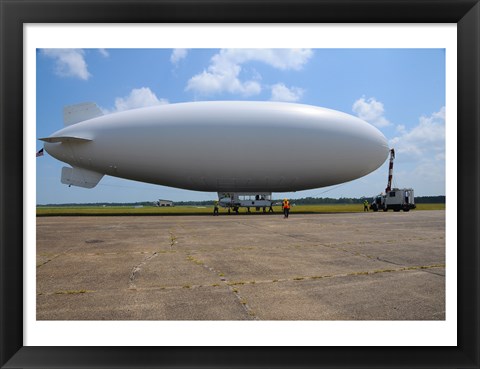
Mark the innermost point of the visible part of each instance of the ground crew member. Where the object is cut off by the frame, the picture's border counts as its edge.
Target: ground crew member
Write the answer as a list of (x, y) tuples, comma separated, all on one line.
[(215, 208), (286, 208), (365, 205)]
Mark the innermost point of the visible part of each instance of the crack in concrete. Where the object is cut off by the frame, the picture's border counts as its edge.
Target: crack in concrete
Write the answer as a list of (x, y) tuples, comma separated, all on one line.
[(296, 279), (137, 268), (250, 313), (173, 239), (66, 292), (54, 257), (360, 273), (234, 285), (387, 261), (338, 245)]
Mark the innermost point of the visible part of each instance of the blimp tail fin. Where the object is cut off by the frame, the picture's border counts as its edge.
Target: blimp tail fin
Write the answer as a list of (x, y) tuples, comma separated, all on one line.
[(78, 113), (80, 177)]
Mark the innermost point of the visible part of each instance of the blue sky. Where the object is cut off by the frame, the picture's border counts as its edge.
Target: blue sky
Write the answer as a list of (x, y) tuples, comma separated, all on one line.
[(400, 91)]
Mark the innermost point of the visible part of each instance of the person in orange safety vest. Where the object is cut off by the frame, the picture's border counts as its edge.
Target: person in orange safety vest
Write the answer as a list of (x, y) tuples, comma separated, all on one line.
[(286, 208)]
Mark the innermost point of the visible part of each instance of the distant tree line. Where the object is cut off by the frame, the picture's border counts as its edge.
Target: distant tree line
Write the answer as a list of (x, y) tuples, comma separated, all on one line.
[(302, 201), (194, 203), (327, 200), (430, 200), (99, 204), (350, 200)]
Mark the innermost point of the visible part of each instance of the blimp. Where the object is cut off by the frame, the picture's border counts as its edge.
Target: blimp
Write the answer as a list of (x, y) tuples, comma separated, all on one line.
[(243, 150)]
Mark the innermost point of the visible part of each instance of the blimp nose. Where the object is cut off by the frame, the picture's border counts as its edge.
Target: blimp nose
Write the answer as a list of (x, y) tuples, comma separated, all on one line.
[(378, 141), (381, 147), (371, 150), (383, 143)]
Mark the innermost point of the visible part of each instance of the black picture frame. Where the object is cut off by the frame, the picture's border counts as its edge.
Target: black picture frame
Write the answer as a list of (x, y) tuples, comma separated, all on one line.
[(15, 13)]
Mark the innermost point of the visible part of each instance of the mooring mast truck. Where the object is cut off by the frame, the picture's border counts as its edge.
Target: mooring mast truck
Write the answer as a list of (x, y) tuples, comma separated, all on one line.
[(395, 199)]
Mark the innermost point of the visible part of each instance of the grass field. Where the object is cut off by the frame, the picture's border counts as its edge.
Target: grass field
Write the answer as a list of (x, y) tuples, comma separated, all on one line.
[(192, 210)]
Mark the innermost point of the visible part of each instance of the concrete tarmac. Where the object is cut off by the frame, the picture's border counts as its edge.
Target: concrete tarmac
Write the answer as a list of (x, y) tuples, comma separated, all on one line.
[(355, 266)]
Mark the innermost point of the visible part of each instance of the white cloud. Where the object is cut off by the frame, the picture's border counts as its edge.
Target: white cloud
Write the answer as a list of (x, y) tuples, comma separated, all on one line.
[(421, 153), (104, 53), (427, 139), (280, 92), (177, 55), (431, 172), (371, 111), (223, 73), (401, 128), (222, 78), (138, 98), (69, 62), (282, 59)]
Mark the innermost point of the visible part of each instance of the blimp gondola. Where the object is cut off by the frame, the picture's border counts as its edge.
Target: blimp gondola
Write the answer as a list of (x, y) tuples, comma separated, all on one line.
[(243, 150)]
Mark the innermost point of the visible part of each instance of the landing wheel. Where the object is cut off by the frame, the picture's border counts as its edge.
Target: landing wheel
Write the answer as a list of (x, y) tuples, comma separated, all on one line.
[(385, 209)]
